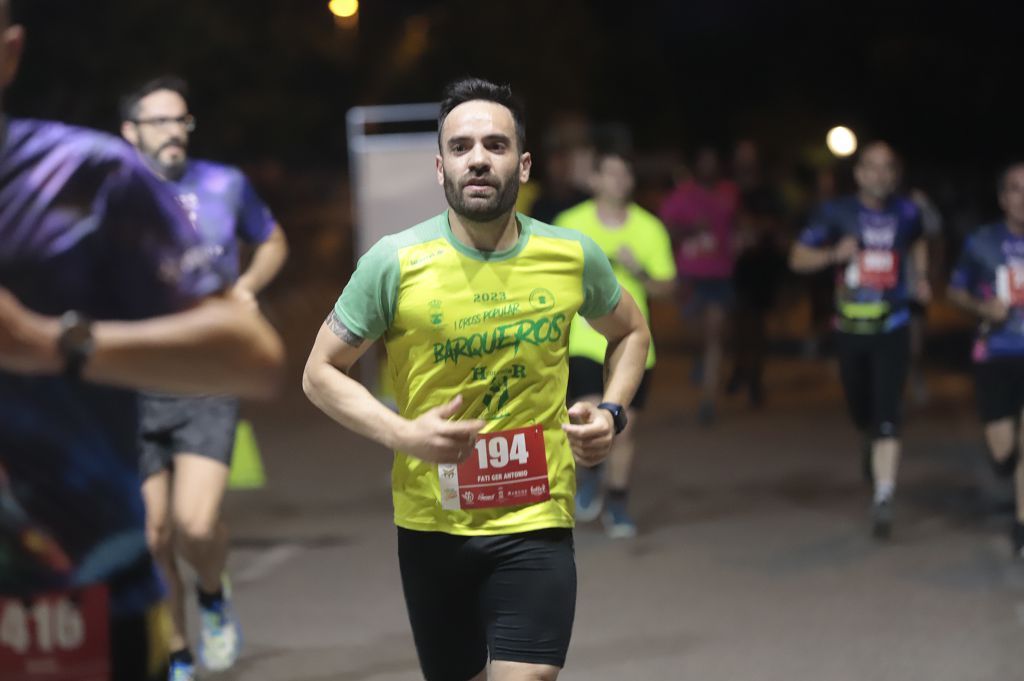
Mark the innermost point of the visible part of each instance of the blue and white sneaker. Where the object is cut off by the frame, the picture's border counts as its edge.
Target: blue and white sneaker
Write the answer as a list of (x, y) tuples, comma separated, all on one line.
[(589, 494), (617, 522), (181, 671), (220, 636)]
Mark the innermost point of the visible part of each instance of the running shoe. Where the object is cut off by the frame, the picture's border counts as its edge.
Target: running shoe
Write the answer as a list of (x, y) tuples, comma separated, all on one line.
[(617, 522), (181, 671), (735, 383), (756, 393), (589, 494), (881, 519), (220, 637), (706, 414), (697, 371)]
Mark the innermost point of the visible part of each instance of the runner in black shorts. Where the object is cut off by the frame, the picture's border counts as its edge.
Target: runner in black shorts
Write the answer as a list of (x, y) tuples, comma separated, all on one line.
[(640, 250), (474, 308), (186, 442), (171, 425), (989, 282), (496, 593), (870, 238)]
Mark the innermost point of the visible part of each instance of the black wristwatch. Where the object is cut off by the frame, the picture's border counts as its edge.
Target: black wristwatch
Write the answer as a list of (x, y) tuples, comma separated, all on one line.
[(618, 413), (75, 343)]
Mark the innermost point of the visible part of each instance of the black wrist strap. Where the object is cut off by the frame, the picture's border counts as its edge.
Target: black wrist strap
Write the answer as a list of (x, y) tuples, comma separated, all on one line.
[(75, 343), (618, 413)]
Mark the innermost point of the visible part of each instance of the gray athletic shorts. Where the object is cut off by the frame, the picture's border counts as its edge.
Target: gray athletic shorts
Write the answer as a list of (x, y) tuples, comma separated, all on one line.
[(185, 425)]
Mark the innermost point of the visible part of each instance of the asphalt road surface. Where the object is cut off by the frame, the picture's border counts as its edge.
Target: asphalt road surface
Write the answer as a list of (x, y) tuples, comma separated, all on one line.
[(754, 561)]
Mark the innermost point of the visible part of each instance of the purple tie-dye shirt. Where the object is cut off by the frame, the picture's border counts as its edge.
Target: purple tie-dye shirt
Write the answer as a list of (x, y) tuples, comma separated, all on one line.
[(84, 226), (223, 208)]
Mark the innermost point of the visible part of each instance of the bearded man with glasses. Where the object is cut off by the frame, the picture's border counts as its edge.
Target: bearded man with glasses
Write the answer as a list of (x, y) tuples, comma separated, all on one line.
[(186, 442)]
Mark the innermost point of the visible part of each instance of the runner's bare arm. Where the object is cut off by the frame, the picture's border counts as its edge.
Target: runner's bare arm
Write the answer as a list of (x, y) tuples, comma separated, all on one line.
[(267, 261), (431, 437), (628, 341), (993, 309), (659, 288), (805, 259), (592, 430), (921, 287), (217, 346)]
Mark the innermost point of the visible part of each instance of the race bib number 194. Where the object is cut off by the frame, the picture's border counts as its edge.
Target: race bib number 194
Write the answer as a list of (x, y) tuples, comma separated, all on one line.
[(56, 637), (507, 468)]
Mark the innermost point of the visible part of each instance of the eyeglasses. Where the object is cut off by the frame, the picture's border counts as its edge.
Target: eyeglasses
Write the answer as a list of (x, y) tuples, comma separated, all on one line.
[(187, 121)]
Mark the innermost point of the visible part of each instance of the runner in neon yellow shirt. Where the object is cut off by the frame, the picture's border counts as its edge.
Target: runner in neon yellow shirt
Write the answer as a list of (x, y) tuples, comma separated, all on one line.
[(474, 308), (640, 250)]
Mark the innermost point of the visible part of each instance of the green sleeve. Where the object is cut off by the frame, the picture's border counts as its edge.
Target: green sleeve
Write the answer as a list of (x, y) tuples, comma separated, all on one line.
[(658, 259), (367, 305), (601, 290)]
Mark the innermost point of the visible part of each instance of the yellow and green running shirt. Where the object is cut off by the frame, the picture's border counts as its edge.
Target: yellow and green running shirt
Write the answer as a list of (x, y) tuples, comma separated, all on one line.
[(647, 238), (492, 327)]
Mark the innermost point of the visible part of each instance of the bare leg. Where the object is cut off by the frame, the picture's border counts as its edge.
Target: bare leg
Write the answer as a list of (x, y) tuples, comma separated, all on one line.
[(156, 494), (885, 461), (620, 461), (1020, 491), (520, 671), (1020, 474), (1001, 438), (714, 321), (199, 486)]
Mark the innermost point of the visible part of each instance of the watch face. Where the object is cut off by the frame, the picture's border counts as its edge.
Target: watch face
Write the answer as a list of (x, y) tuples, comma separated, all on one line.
[(76, 336), (79, 334)]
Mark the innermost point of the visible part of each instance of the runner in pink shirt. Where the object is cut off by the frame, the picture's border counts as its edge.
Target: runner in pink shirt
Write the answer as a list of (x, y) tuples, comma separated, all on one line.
[(700, 215)]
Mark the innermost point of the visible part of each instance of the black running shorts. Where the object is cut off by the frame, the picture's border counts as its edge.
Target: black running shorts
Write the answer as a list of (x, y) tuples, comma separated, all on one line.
[(586, 377), (185, 425), (873, 369), (999, 388), (508, 597)]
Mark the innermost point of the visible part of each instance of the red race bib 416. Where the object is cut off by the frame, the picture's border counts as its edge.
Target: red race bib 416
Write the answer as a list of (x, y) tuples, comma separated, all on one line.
[(56, 637)]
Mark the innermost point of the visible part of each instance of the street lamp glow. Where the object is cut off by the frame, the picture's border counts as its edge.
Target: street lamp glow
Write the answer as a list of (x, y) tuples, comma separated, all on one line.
[(343, 8), (841, 141)]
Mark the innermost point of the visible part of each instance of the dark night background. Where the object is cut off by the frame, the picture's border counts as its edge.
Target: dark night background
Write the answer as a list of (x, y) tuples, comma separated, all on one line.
[(754, 560), (274, 77)]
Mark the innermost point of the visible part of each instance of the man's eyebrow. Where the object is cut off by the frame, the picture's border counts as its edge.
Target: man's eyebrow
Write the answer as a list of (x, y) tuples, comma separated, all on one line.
[(496, 136)]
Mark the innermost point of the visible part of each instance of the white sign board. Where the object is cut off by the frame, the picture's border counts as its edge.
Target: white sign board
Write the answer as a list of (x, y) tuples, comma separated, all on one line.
[(394, 184)]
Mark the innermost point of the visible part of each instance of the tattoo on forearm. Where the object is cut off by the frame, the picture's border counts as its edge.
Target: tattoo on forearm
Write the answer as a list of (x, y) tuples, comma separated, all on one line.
[(341, 331)]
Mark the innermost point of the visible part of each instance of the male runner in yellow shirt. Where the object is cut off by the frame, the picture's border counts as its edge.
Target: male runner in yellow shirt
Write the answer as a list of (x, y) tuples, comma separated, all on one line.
[(474, 307)]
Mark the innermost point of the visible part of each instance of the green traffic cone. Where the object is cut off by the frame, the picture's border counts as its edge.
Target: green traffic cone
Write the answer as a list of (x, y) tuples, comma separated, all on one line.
[(246, 465)]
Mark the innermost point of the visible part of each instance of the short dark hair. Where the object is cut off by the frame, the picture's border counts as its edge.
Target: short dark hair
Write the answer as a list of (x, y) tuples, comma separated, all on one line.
[(1004, 175), (877, 144), (468, 89), (129, 104), (601, 155)]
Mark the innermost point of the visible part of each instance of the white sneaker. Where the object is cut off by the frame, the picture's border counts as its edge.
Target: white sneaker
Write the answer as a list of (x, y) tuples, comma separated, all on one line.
[(220, 636)]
